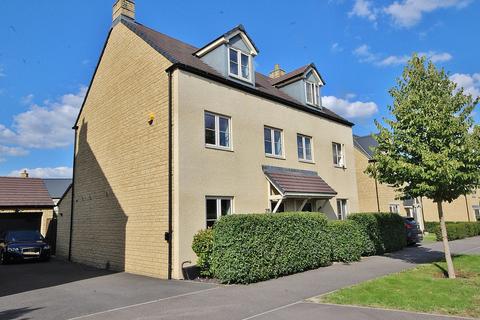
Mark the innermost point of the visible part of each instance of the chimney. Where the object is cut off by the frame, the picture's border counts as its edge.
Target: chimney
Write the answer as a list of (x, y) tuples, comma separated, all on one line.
[(277, 72), (24, 174), (123, 9)]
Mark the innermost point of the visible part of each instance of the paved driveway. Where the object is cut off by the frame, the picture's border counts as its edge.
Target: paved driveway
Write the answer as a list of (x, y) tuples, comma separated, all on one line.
[(60, 290)]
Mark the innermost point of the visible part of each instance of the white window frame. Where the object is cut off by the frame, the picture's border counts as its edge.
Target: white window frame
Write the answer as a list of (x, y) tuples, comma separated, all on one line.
[(394, 208), (239, 65), (219, 207), (217, 131), (315, 99), (344, 208), (476, 212), (341, 161), (272, 142), (304, 156)]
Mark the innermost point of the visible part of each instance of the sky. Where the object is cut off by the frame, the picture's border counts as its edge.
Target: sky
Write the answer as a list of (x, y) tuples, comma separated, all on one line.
[(49, 50)]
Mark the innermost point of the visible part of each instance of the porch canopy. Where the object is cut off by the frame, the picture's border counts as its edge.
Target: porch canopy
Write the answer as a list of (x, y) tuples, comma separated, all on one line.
[(296, 184)]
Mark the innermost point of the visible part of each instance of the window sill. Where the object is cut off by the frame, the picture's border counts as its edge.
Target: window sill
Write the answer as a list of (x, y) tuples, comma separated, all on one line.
[(214, 147), (306, 161), (339, 167), (234, 76), (274, 156)]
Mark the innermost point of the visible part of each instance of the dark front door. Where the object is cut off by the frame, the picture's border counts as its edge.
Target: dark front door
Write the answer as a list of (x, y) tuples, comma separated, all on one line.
[(20, 221)]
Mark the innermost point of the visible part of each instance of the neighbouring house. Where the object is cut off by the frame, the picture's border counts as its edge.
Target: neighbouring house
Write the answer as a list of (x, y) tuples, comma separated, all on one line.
[(374, 196), (25, 204), (56, 188), (171, 137)]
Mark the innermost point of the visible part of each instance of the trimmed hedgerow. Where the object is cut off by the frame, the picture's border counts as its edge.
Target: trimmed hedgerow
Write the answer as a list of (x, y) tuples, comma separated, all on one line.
[(347, 240), (254, 247), (371, 233), (385, 232), (431, 226), (203, 246), (458, 230)]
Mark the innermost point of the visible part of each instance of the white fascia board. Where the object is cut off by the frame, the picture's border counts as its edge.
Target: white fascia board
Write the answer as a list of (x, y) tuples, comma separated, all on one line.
[(211, 47)]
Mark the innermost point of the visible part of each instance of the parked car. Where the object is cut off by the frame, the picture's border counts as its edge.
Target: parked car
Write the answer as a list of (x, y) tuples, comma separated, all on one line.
[(23, 245), (413, 232)]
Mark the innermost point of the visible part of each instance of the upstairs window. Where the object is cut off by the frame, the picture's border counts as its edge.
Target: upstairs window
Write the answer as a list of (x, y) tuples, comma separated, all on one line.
[(394, 208), (239, 64), (304, 148), (338, 154), (217, 131), (273, 142), (312, 91)]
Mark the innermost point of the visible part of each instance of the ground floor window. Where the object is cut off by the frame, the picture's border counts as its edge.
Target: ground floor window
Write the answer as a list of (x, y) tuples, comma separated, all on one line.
[(273, 204), (477, 213), (394, 208), (217, 207), (342, 209)]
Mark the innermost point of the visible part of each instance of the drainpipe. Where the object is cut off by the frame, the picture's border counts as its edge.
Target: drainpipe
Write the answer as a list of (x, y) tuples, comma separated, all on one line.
[(169, 237), (73, 194)]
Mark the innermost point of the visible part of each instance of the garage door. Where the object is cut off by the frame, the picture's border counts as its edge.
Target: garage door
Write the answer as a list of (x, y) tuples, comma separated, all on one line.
[(20, 221)]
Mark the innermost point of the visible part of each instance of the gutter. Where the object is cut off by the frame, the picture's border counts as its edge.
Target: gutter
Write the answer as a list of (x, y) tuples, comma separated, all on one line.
[(256, 92), (73, 194), (169, 234)]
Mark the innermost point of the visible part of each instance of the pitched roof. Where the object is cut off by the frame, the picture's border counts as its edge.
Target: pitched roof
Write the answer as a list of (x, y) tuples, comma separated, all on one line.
[(296, 181), (365, 144), (24, 192), (182, 56), (57, 187)]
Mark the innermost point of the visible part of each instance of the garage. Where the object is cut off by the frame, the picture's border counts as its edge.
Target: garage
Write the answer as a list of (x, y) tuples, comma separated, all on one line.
[(25, 203), (20, 221)]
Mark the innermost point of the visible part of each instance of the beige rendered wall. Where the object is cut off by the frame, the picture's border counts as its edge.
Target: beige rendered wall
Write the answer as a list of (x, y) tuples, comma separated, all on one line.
[(367, 199), (200, 171), (63, 225), (121, 169)]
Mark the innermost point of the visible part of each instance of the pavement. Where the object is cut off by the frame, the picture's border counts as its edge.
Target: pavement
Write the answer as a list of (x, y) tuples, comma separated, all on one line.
[(62, 290)]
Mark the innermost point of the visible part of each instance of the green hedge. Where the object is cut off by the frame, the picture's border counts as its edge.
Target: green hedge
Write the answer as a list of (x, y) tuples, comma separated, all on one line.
[(246, 248), (254, 247), (385, 232), (431, 226), (347, 240), (458, 230), (203, 246)]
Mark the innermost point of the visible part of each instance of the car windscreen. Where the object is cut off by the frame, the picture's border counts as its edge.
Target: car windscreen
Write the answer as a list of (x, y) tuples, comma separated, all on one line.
[(26, 235)]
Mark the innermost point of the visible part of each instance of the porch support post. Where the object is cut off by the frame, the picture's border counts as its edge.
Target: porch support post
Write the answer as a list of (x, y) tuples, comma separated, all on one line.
[(303, 204), (278, 205)]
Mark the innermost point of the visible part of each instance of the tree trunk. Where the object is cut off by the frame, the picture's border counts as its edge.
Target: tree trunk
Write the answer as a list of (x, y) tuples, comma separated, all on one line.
[(446, 246)]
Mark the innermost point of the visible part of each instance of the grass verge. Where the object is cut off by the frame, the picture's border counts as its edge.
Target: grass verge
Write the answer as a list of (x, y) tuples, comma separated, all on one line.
[(429, 238), (423, 289)]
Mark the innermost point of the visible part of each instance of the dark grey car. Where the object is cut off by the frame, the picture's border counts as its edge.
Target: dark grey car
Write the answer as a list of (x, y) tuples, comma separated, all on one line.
[(412, 230)]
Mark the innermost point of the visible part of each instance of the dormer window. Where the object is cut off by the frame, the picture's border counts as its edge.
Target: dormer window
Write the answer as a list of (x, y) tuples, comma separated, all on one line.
[(239, 64), (312, 92)]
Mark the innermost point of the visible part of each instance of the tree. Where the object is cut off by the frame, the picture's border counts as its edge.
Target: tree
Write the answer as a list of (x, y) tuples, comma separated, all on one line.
[(431, 146)]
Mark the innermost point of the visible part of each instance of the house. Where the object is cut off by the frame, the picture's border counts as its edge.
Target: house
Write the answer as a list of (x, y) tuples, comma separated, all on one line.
[(374, 196), (25, 204), (56, 188), (171, 137)]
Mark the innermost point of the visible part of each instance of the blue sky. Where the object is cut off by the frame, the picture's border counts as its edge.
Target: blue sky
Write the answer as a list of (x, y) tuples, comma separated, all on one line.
[(49, 50)]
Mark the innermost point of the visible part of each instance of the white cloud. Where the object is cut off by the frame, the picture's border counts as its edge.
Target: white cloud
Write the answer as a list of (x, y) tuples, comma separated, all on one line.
[(336, 47), (350, 109), (58, 172), (45, 126), (12, 151), (363, 9), (365, 54), (469, 82), (27, 99), (408, 13)]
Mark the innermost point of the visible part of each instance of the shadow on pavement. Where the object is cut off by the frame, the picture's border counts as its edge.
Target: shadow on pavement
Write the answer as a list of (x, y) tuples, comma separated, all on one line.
[(22, 277), (417, 255), (16, 313)]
